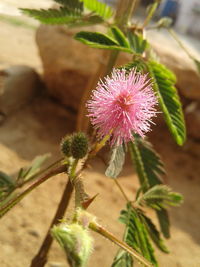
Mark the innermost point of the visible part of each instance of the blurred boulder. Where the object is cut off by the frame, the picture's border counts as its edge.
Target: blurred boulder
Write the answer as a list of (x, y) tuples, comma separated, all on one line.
[(18, 85), (192, 117), (69, 64), (175, 58)]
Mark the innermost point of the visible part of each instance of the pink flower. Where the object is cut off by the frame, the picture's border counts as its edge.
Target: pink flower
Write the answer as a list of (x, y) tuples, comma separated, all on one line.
[(123, 104)]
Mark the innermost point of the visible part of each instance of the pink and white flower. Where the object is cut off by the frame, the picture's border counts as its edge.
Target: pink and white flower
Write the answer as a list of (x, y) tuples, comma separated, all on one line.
[(122, 105)]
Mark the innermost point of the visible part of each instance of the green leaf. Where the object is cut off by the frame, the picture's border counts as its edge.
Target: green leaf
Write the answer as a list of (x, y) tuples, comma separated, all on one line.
[(28, 173), (116, 162), (163, 218), (160, 196), (122, 259), (6, 185), (137, 64), (137, 43), (99, 8), (164, 22), (71, 4), (170, 104), (119, 36), (154, 234), (54, 16), (150, 169), (148, 164), (136, 235), (99, 40)]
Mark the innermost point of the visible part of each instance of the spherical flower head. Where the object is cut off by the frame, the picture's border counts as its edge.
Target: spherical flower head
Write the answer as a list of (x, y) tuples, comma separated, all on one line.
[(122, 105)]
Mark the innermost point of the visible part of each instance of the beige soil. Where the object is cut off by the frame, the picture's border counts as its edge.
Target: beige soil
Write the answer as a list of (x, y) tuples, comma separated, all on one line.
[(37, 129)]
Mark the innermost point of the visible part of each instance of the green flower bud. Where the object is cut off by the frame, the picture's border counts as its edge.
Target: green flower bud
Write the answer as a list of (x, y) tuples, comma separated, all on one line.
[(79, 146), (66, 145), (76, 242)]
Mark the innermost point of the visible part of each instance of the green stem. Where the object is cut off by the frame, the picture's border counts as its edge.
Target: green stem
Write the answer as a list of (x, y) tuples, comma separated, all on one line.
[(102, 231), (176, 38), (34, 176), (4, 209), (41, 258), (72, 174), (121, 190), (150, 14)]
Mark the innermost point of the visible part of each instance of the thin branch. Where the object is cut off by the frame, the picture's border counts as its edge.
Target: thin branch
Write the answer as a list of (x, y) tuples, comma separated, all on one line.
[(102, 231), (41, 258), (121, 190), (4, 209), (176, 38)]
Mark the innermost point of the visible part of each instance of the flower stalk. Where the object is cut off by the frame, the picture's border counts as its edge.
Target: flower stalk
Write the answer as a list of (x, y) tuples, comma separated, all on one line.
[(102, 231)]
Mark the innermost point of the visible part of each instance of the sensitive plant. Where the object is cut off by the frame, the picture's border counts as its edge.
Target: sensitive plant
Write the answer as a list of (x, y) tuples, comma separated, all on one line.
[(121, 106)]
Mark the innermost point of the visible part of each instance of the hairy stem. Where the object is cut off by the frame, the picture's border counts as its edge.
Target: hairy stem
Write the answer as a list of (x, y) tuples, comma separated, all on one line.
[(4, 209), (102, 231), (41, 258)]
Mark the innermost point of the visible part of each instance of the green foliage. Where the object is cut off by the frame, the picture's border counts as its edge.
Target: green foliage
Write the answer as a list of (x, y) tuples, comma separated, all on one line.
[(122, 259), (54, 16), (71, 4), (136, 234), (150, 169), (137, 63), (100, 40), (28, 173), (6, 185), (163, 218), (170, 104), (154, 233), (137, 43), (116, 162), (148, 164), (119, 36), (164, 22), (160, 196), (99, 8)]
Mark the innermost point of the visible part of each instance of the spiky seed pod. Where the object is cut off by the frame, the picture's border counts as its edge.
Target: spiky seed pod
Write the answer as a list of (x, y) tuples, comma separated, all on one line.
[(66, 145), (76, 242), (79, 146)]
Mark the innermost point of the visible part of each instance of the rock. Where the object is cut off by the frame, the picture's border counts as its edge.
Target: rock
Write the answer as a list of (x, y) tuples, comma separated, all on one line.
[(18, 85), (192, 117), (69, 64), (175, 58)]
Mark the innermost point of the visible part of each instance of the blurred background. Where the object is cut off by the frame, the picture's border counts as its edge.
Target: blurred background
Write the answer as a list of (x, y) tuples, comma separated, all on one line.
[(43, 73)]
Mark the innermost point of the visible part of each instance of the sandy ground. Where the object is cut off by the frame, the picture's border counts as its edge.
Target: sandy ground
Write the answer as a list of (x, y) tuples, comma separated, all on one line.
[(37, 129)]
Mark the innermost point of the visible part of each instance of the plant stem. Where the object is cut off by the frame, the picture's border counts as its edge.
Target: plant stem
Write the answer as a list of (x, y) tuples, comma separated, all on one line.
[(39, 173), (150, 14), (121, 190), (176, 38), (102, 231), (125, 9), (4, 209), (41, 258)]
